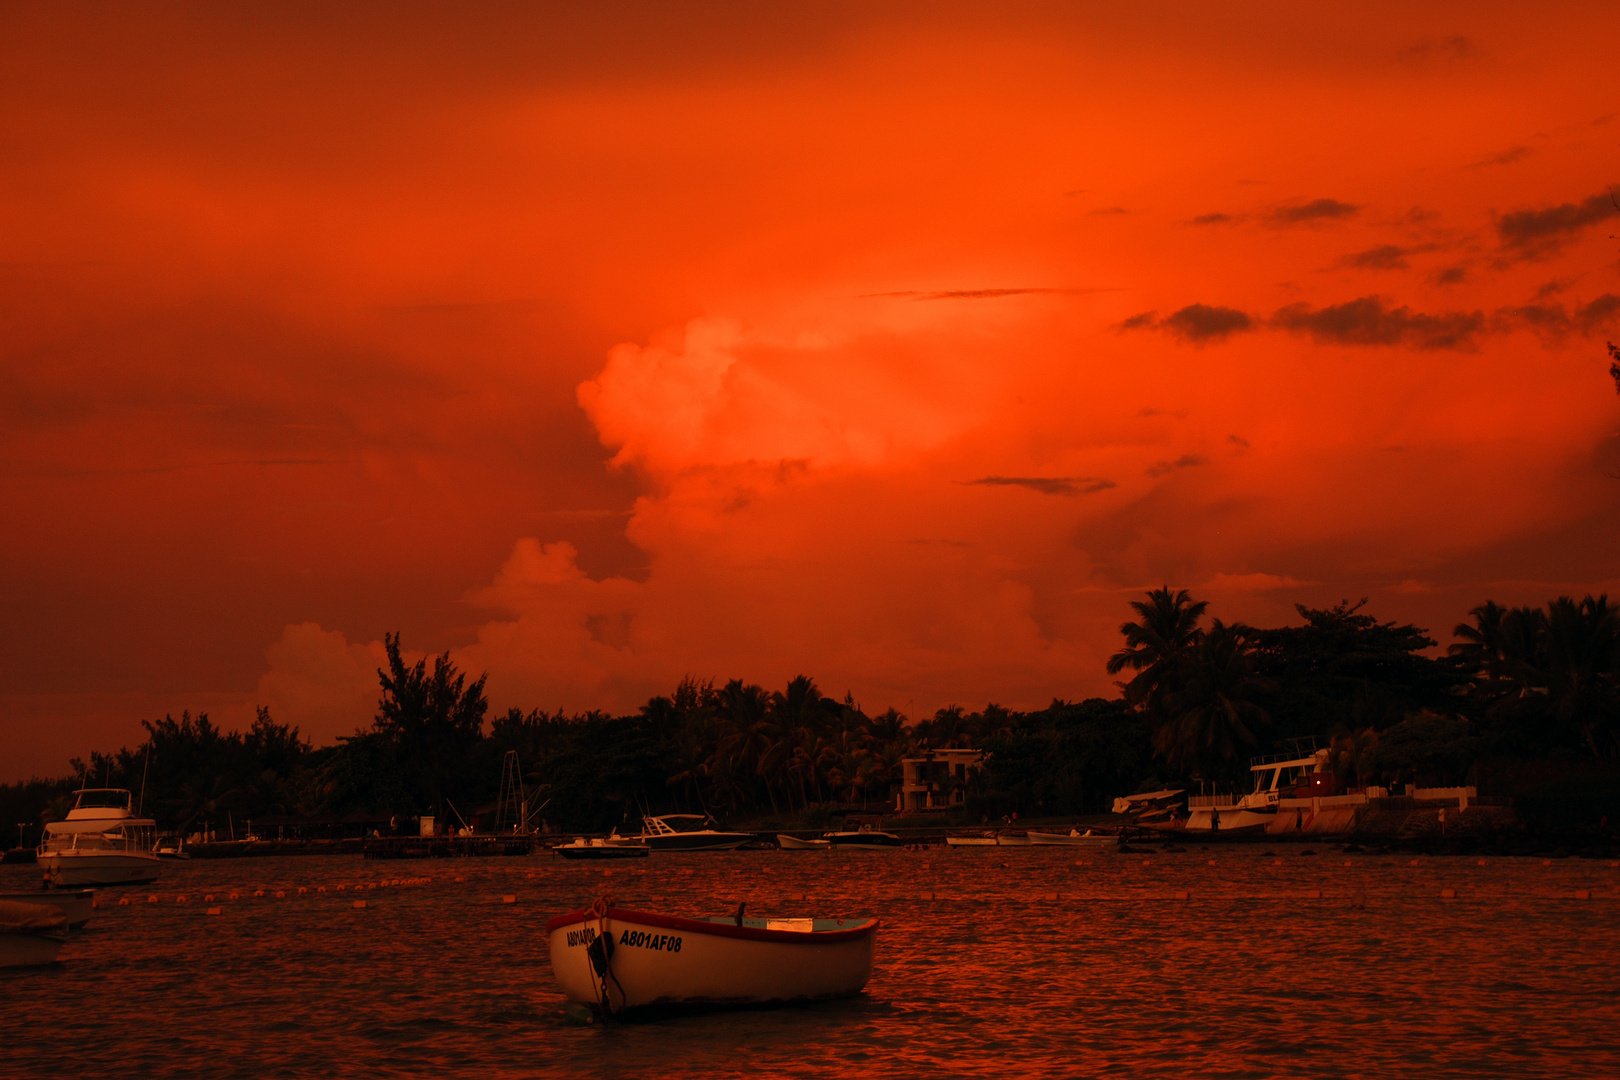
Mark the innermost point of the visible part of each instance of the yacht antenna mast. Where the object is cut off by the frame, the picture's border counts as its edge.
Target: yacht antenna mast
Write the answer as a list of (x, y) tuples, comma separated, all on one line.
[(511, 806), (141, 809)]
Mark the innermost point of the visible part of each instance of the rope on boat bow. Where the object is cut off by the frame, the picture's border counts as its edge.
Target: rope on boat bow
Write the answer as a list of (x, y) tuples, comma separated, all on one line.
[(600, 953)]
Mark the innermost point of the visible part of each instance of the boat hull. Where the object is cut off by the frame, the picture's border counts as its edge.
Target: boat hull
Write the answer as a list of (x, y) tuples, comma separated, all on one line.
[(28, 950), (1232, 819), (602, 851), (697, 841), (75, 869), (662, 961), (970, 841), (1071, 840), (793, 843), (76, 904)]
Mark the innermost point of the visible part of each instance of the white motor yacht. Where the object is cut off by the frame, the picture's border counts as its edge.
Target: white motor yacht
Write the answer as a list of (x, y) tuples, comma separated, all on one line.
[(686, 832), (102, 842), (1274, 777)]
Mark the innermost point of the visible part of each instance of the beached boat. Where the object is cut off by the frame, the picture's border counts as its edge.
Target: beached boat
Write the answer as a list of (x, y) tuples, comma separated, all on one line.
[(102, 842), (614, 959), (76, 904), (30, 934), (596, 847), (1073, 837), (793, 843), (687, 832)]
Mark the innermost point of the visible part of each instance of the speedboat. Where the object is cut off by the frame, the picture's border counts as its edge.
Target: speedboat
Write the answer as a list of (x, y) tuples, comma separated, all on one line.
[(596, 847), (793, 843), (613, 959), (687, 832), (1073, 836), (76, 904), (865, 838), (171, 847), (30, 934), (102, 842)]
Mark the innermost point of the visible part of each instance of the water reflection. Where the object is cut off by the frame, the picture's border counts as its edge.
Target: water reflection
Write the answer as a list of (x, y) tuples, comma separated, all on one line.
[(1032, 962)]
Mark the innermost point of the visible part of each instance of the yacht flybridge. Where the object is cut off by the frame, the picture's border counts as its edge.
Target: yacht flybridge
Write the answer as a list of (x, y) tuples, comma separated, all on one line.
[(1275, 777), (102, 842)]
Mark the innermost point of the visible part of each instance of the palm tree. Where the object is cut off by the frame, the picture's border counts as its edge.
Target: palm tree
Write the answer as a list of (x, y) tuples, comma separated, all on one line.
[(1158, 645), (1211, 711), (1480, 646), (1581, 666)]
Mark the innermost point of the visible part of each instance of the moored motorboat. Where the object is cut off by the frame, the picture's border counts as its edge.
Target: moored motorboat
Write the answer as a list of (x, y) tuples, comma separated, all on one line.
[(676, 832), (614, 959), (30, 934), (793, 843), (596, 847), (76, 904), (101, 842), (171, 847), (1073, 837)]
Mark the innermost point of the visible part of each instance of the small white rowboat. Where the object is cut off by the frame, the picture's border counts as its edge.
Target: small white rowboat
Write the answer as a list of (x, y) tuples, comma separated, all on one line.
[(613, 959), (30, 934), (793, 843)]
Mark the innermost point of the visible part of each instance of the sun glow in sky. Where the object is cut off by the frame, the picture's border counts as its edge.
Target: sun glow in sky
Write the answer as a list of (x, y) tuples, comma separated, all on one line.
[(895, 345)]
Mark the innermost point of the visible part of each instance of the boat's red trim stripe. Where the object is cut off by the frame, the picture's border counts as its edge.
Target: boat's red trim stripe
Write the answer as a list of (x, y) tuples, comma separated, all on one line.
[(699, 926)]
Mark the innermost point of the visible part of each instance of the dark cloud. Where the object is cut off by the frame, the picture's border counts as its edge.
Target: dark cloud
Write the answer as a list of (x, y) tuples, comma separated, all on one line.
[(1454, 47), (975, 294), (1185, 461), (1506, 157), (1310, 212), (1213, 219), (1532, 234), (1452, 275), (1385, 257), (1238, 441), (1366, 321), (1552, 322), (1049, 485), (1201, 323), (1109, 211)]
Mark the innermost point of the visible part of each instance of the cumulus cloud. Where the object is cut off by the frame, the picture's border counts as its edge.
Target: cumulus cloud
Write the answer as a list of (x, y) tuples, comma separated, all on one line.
[(1540, 233), (321, 682), (1367, 321), (1310, 213), (1050, 485)]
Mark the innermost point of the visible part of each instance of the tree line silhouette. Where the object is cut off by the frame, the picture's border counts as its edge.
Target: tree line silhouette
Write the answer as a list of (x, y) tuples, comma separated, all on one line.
[(1196, 701)]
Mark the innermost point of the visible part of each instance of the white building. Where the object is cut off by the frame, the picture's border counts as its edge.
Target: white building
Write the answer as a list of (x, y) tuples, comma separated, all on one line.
[(936, 780)]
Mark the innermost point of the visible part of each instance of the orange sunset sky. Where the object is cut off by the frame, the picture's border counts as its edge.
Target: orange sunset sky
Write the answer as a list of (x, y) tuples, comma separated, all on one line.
[(897, 345)]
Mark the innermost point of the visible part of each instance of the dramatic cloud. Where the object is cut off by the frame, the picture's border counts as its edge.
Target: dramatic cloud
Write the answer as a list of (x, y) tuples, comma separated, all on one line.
[(1367, 321), (1537, 234), (1050, 485), (1310, 213)]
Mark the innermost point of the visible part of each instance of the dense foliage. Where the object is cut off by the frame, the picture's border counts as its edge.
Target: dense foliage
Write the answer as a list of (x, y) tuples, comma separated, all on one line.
[(1520, 683)]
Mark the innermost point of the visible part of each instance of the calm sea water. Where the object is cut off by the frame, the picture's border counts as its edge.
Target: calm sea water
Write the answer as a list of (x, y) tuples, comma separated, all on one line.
[(1251, 975)]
